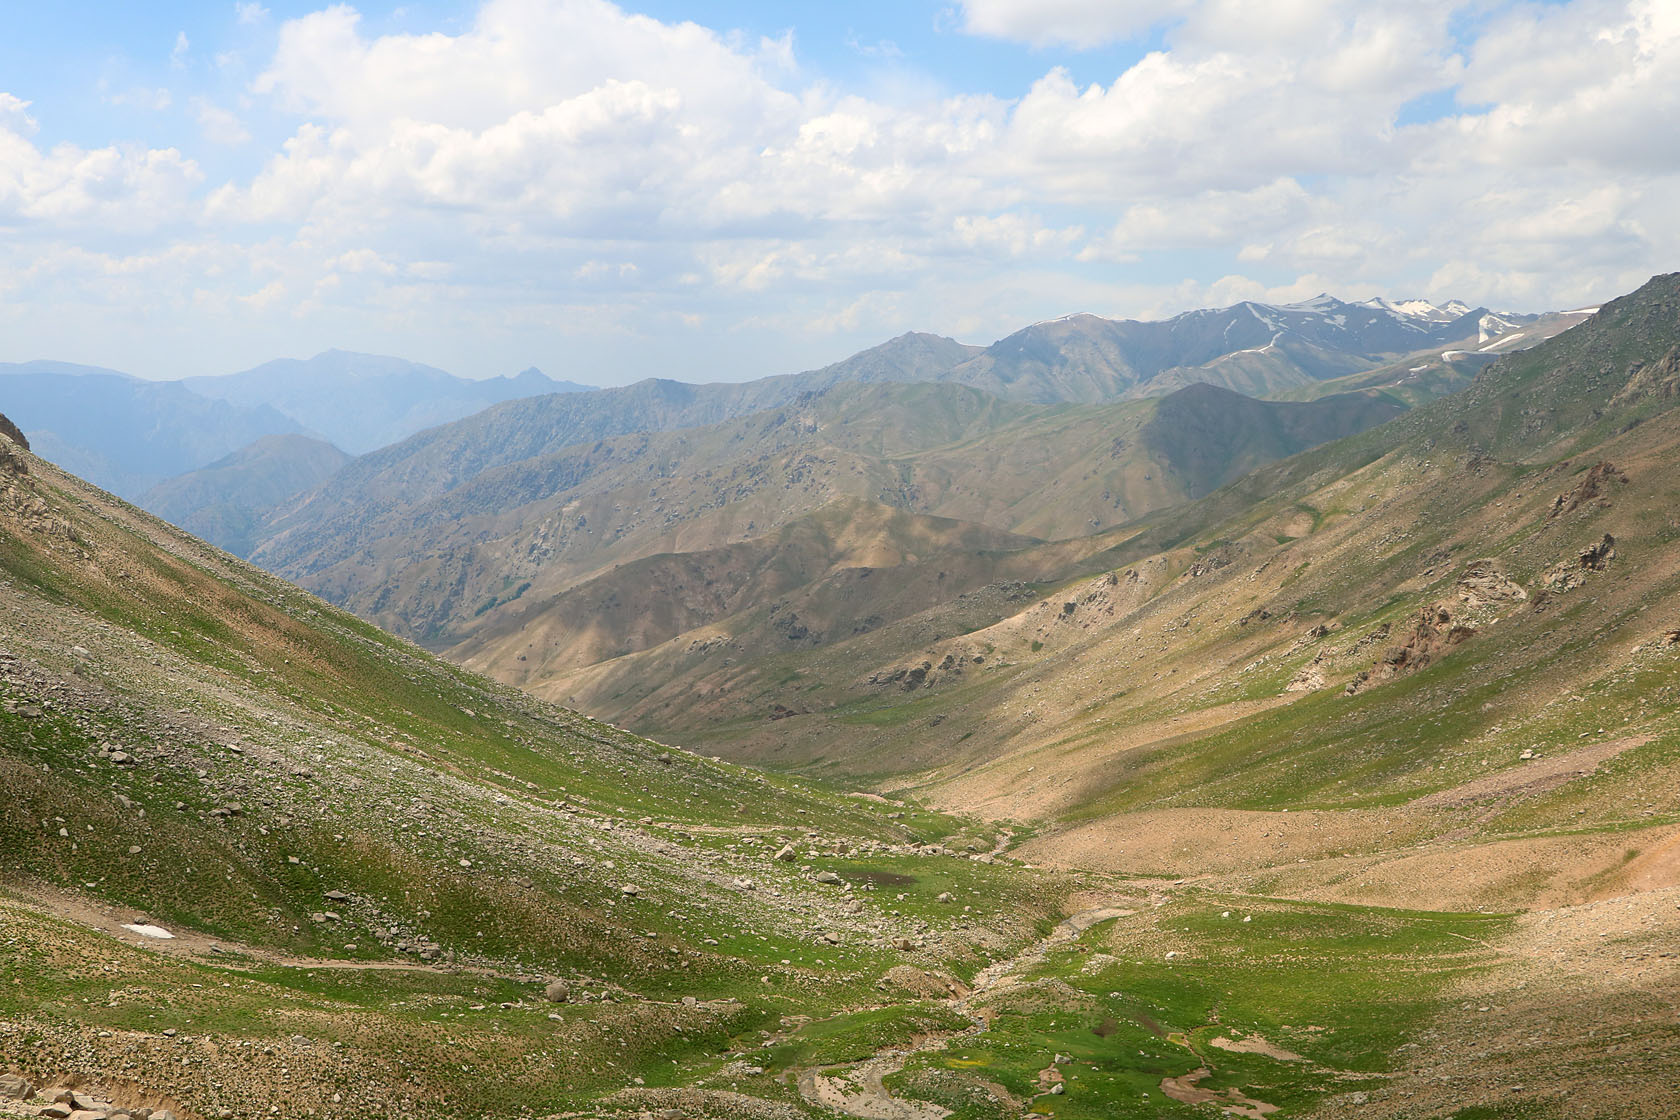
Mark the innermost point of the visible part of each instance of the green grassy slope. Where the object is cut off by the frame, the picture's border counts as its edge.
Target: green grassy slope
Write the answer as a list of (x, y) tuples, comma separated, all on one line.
[(187, 741)]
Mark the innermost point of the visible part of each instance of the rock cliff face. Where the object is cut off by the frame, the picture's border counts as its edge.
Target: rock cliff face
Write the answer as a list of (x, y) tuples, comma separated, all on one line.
[(11, 432)]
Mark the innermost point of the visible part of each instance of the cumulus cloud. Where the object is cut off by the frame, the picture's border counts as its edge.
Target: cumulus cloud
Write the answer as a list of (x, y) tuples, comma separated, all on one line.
[(96, 189), (563, 165)]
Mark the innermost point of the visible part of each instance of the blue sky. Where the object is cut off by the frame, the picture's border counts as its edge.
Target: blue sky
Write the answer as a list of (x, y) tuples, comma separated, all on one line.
[(719, 190)]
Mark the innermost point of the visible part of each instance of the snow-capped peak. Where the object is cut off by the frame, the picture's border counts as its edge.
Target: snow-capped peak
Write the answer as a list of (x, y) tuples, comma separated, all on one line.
[(1420, 309)]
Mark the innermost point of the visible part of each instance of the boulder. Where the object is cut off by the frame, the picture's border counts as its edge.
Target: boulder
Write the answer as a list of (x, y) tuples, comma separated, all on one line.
[(786, 854), (828, 877), (15, 1088), (558, 991)]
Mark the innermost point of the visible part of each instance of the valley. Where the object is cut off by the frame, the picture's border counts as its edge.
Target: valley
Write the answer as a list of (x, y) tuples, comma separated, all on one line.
[(946, 756)]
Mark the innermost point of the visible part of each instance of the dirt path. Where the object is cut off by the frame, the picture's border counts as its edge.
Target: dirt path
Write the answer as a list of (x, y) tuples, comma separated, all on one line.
[(859, 1090), (1230, 1102)]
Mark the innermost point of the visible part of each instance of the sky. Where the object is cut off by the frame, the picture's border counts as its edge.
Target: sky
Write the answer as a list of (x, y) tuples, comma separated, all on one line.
[(723, 189)]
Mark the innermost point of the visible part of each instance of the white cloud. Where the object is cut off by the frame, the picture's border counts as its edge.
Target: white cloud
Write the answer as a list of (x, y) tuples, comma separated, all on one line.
[(178, 53), (250, 12), (99, 189), (219, 125), (1074, 23)]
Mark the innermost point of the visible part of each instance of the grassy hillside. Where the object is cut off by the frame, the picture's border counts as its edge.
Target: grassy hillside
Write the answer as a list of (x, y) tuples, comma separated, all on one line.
[(358, 847)]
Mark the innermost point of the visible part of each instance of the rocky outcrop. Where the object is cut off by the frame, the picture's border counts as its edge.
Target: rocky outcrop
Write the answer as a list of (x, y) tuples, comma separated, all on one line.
[(1434, 632), (1567, 575), (12, 432), (11, 441), (1484, 585), (1593, 489), (1659, 380)]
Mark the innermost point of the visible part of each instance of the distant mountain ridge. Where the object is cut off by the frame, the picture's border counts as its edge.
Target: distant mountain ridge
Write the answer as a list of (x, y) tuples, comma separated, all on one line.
[(129, 434), (364, 401), (123, 433), (1249, 348), (1087, 358)]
